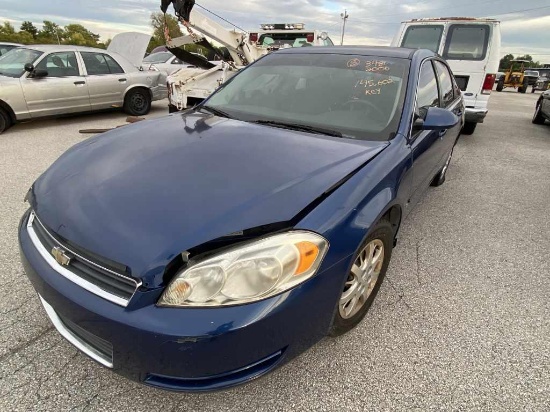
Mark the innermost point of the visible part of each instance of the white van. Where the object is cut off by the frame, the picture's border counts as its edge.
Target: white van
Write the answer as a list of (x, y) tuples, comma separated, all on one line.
[(471, 47)]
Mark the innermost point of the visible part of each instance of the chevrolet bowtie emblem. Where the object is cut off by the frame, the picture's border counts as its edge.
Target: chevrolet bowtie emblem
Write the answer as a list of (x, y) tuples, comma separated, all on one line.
[(60, 256)]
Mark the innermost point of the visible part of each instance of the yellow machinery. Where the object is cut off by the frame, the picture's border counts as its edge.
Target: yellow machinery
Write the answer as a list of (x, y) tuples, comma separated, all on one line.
[(514, 78)]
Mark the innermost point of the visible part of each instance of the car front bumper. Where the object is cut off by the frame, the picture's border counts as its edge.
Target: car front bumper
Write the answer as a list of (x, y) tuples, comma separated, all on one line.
[(185, 349), (475, 115)]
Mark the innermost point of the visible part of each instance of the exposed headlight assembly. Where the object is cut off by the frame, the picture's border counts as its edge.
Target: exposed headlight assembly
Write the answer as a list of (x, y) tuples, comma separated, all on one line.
[(248, 273)]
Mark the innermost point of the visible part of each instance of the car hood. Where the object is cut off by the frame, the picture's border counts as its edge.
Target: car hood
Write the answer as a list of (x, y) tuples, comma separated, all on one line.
[(142, 194), (132, 46)]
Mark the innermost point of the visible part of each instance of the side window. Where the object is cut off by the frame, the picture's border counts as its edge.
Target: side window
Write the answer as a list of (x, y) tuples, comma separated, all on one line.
[(99, 63), (445, 84), (61, 64), (427, 93)]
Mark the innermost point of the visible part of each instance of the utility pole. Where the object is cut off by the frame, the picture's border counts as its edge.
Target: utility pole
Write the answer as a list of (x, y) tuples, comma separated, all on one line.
[(344, 16)]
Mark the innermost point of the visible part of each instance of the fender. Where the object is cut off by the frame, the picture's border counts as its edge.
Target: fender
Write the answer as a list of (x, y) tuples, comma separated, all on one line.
[(349, 213)]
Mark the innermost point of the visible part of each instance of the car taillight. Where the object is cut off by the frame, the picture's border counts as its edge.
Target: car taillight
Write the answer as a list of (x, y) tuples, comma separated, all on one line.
[(310, 37), (488, 84), (253, 37)]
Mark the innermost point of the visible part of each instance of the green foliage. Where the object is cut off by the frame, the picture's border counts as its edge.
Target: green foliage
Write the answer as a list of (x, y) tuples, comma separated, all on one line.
[(51, 33), (505, 62), (29, 28), (159, 22)]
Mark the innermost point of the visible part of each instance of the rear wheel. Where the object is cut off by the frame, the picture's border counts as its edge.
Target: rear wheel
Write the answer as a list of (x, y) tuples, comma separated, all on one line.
[(137, 102), (538, 118), (469, 128), (500, 84), (364, 279), (5, 121)]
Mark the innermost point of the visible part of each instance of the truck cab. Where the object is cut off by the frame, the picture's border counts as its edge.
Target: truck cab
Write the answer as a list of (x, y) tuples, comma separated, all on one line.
[(471, 47)]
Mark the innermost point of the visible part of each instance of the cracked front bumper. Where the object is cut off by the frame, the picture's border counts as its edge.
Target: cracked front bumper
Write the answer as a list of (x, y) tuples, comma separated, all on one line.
[(185, 349)]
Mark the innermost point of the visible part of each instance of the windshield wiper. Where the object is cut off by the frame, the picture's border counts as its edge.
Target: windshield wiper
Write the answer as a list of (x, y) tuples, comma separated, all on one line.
[(214, 111), (301, 127)]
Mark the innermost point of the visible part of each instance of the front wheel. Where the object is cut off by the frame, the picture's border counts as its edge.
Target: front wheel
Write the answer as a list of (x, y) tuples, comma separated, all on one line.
[(137, 102), (5, 121), (500, 84), (364, 279), (538, 118)]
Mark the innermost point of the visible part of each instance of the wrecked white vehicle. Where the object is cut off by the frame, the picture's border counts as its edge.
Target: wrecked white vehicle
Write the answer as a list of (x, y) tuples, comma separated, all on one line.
[(50, 80)]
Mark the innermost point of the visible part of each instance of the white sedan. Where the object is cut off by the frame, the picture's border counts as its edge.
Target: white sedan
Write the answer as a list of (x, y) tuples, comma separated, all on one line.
[(166, 62), (49, 80)]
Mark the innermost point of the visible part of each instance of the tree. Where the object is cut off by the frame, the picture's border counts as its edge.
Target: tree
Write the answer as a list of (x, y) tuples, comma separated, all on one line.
[(79, 35), (159, 22), (51, 33), (505, 62), (28, 27)]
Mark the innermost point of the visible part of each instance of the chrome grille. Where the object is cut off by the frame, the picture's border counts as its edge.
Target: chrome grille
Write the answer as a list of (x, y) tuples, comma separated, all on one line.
[(93, 273)]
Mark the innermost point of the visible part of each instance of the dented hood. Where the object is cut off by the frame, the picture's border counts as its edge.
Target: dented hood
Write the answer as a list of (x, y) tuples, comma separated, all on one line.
[(144, 193)]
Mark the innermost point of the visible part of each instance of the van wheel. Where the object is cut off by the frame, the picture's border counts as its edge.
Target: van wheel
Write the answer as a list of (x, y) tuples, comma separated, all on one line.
[(469, 128), (500, 84), (137, 102), (5, 121)]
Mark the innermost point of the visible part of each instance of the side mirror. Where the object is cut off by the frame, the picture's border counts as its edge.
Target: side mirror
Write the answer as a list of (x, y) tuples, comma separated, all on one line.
[(29, 67), (38, 73), (437, 119)]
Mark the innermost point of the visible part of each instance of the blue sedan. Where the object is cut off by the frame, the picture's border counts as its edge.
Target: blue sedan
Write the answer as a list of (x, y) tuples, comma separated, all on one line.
[(204, 249)]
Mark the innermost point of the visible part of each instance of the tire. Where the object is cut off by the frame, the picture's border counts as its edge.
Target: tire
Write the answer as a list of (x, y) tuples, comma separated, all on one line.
[(500, 84), (538, 118), (523, 88), (469, 128), (5, 120), (380, 239), (137, 102), (439, 178)]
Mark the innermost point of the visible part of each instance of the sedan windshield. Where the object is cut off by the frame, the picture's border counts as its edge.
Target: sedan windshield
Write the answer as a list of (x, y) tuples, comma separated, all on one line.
[(12, 64), (359, 97), (158, 58)]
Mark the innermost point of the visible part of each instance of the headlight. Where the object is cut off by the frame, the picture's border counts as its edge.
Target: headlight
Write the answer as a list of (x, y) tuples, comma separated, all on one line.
[(248, 273)]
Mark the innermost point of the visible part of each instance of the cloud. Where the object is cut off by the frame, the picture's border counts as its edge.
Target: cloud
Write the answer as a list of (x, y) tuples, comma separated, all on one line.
[(373, 22)]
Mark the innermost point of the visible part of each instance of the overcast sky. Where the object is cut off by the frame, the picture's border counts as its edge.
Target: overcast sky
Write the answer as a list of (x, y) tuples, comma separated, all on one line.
[(525, 23)]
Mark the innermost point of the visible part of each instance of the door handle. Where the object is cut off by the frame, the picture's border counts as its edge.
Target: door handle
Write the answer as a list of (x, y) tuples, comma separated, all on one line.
[(442, 133), (78, 83), (122, 80)]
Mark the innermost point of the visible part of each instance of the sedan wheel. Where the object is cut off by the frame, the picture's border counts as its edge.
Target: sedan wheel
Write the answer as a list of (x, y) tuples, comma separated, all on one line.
[(362, 279), (137, 102)]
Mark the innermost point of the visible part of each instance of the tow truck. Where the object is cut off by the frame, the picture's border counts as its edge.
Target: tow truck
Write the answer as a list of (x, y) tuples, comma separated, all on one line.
[(189, 86)]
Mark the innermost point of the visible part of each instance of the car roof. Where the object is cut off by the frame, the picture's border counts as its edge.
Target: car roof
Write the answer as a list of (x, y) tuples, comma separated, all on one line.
[(379, 51), (48, 48), (7, 43)]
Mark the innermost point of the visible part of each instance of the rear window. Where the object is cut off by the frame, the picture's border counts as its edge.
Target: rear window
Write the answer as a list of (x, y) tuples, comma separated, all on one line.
[(467, 42), (423, 37)]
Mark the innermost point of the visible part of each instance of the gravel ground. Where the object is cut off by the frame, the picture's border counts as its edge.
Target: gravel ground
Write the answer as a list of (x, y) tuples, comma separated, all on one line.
[(461, 323)]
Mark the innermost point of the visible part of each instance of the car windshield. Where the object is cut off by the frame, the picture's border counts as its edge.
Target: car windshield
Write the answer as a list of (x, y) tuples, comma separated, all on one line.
[(158, 58), (359, 97), (12, 64)]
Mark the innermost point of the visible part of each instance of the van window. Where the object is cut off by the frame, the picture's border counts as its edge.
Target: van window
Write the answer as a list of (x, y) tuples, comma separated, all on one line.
[(423, 37), (467, 42)]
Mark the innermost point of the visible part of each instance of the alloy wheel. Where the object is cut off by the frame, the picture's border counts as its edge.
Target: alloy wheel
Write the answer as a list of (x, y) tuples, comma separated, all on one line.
[(362, 279)]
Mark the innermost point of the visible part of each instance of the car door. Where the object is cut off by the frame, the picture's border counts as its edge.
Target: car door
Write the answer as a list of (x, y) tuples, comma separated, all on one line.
[(63, 90), (451, 99), (107, 81), (424, 143)]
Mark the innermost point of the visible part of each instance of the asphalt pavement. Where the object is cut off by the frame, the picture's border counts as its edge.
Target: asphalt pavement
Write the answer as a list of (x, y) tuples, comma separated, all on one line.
[(462, 321)]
